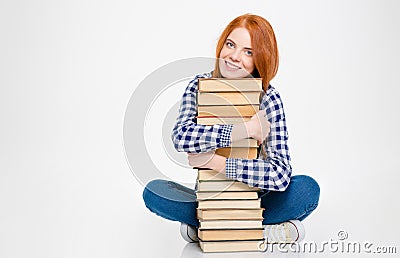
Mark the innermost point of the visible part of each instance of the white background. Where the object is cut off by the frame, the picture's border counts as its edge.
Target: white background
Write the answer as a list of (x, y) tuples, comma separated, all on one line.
[(68, 69)]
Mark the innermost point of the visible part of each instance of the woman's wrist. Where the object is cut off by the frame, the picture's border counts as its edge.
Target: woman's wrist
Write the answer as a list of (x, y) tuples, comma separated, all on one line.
[(218, 163), (249, 128)]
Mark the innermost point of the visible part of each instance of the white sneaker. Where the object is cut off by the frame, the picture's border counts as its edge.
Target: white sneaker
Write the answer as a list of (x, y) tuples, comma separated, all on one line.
[(291, 231), (189, 233)]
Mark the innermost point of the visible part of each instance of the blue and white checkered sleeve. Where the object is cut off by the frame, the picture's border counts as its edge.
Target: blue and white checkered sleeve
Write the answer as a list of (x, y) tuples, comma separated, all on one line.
[(274, 171), (188, 136)]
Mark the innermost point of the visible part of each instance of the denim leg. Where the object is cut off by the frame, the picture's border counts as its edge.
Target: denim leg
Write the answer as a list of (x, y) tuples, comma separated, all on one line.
[(171, 201), (295, 203)]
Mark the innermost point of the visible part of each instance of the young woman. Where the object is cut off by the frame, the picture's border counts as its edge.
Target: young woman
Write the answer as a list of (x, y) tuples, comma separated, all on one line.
[(246, 48)]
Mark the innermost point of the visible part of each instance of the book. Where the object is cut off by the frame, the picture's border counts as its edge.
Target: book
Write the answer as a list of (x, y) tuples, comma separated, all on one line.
[(229, 204), (245, 143), (224, 85), (238, 152), (230, 234), (226, 195), (230, 224), (228, 98), (232, 246), (227, 185), (213, 120), (209, 174), (229, 214), (227, 111)]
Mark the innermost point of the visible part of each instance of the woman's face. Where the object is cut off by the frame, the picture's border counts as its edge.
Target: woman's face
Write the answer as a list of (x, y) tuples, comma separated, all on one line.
[(236, 57)]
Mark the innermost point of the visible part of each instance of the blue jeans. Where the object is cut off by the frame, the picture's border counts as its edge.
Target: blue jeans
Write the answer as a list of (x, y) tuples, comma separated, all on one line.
[(178, 203)]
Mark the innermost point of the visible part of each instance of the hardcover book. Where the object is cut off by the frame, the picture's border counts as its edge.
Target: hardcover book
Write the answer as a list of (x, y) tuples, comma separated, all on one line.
[(229, 214), (226, 195), (231, 246), (226, 185), (229, 204), (227, 111), (228, 98), (230, 234), (229, 85), (230, 224)]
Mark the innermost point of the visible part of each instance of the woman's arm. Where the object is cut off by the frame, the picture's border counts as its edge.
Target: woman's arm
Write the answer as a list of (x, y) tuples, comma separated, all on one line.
[(272, 173), (257, 128), (188, 136)]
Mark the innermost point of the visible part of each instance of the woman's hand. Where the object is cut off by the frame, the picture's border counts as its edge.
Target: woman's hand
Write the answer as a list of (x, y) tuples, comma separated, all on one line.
[(258, 126), (207, 160)]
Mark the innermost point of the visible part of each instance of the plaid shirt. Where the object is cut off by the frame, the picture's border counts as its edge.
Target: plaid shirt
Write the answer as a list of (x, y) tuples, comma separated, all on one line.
[(270, 173)]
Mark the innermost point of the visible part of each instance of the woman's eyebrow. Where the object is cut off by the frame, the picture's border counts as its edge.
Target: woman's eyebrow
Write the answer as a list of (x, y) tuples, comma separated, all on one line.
[(228, 39)]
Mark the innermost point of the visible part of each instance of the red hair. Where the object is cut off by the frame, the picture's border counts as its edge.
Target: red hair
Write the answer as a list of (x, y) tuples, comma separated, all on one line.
[(263, 41)]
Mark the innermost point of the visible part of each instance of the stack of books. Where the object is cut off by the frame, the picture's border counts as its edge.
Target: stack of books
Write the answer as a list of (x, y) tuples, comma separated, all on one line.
[(229, 211), (229, 101)]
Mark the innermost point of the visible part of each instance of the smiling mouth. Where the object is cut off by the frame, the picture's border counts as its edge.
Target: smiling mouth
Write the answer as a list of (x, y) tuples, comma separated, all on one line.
[(232, 66)]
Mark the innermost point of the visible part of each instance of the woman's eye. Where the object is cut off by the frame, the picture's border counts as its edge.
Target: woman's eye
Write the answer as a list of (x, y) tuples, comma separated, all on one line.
[(230, 44), (248, 53)]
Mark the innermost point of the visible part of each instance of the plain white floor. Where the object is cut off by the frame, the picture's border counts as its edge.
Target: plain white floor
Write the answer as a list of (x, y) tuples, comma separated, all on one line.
[(68, 69)]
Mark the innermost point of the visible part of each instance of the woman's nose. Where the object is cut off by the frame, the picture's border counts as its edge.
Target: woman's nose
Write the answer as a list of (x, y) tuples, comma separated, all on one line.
[(235, 55)]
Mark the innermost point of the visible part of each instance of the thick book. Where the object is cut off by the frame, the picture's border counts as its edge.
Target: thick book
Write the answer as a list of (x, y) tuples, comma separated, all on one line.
[(228, 98), (213, 120), (229, 204), (238, 152), (227, 185), (230, 224), (232, 246), (230, 234), (227, 111), (224, 85), (229, 214), (226, 195), (245, 143), (209, 174)]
